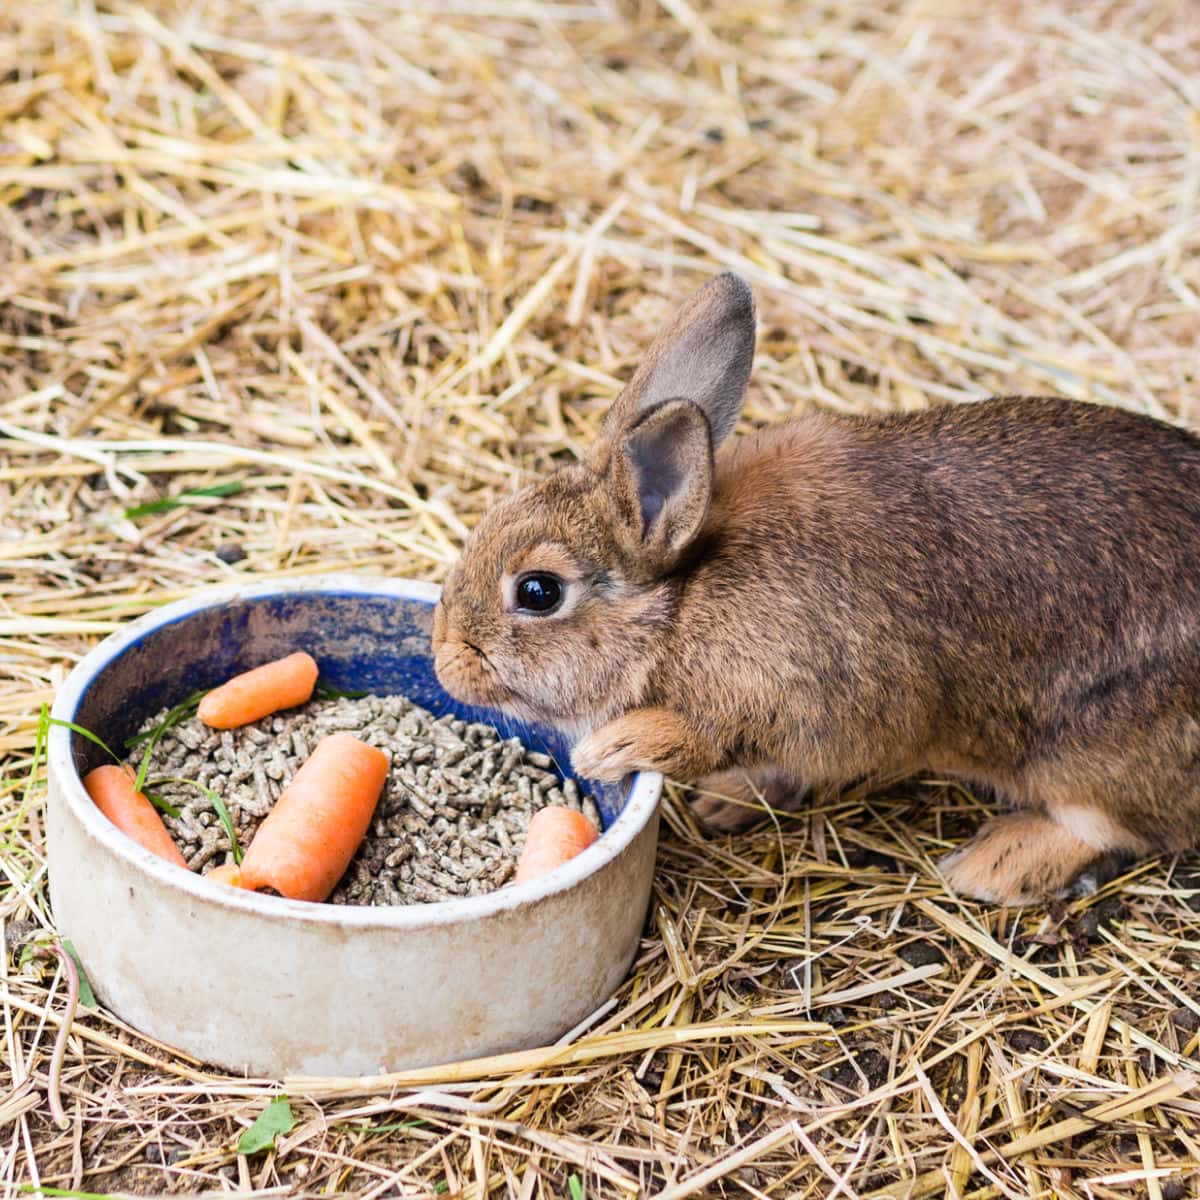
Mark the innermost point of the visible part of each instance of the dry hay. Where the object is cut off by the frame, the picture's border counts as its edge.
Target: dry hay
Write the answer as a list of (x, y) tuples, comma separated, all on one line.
[(379, 261)]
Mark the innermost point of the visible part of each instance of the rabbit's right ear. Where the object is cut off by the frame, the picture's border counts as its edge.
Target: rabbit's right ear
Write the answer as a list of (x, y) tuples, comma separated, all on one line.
[(703, 356)]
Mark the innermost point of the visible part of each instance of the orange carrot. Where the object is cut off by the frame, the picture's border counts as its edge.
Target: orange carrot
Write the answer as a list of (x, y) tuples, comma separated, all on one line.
[(555, 835), (283, 683), (230, 874), (310, 835), (112, 790)]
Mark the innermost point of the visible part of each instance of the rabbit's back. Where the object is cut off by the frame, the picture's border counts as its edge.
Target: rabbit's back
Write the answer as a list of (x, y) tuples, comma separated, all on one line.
[(953, 577), (1003, 512)]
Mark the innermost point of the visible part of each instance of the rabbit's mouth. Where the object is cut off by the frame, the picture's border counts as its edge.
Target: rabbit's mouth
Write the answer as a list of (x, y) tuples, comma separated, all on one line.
[(461, 667), (467, 673), (464, 670)]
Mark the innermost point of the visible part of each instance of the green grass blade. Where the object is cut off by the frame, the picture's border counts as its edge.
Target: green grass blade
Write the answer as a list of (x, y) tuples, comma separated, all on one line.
[(43, 1190), (144, 765), (184, 709), (86, 996), (218, 807), (160, 803), (32, 950), (366, 1127), (325, 691), (156, 732), (83, 733), (227, 823), (39, 748), (180, 712), (184, 498)]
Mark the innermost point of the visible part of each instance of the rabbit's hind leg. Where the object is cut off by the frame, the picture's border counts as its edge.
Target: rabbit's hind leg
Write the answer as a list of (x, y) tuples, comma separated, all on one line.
[(1120, 780), (1032, 855), (733, 800)]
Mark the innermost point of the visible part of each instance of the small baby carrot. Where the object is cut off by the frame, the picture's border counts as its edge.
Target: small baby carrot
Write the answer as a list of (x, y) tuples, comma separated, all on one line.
[(112, 790), (230, 874), (310, 835), (555, 835), (257, 693)]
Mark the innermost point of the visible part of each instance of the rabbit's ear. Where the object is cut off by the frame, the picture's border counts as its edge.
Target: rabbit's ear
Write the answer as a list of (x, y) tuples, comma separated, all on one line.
[(704, 356), (659, 482)]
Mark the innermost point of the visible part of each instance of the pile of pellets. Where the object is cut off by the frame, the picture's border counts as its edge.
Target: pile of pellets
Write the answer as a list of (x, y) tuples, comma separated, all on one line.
[(451, 821)]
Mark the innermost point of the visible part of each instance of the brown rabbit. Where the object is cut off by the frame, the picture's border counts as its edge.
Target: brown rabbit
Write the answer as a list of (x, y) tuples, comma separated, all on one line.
[(1008, 591)]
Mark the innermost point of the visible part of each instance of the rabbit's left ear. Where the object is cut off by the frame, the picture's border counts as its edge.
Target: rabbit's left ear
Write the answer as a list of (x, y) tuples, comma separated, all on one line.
[(658, 481), (704, 356)]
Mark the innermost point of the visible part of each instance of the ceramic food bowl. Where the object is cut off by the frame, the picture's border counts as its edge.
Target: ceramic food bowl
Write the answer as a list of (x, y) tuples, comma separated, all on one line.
[(279, 987)]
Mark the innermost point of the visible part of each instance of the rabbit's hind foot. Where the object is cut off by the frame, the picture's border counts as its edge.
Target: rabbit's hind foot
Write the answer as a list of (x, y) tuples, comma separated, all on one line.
[(1026, 857)]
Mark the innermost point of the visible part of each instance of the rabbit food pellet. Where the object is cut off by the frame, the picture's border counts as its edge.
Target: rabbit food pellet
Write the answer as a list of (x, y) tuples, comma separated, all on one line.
[(451, 821)]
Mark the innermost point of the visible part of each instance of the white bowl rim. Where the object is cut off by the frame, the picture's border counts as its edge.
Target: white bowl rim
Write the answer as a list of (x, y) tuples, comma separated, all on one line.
[(640, 806)]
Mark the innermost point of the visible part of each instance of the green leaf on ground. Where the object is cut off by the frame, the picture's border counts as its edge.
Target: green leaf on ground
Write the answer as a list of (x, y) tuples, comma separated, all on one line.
[(86, 996), (274, 1120)]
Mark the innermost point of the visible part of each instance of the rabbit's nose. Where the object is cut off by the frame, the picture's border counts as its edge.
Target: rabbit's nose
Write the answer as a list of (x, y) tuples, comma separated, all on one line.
[(447, 629)]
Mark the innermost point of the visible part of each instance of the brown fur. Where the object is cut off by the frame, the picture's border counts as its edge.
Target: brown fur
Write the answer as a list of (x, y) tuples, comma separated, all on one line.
[(1008, 591)]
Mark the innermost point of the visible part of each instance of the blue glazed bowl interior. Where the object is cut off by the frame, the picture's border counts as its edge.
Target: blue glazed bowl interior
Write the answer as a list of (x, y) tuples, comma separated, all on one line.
[(362, 641)]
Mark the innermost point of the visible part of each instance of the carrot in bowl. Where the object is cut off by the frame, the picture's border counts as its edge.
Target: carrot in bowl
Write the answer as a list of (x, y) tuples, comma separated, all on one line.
[(257, 693), (555, 835), (112, 790), (310, 835), (230, 874)]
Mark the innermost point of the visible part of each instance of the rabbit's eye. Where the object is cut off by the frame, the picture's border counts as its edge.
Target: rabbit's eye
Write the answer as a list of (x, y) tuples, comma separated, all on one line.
[(539, 592)]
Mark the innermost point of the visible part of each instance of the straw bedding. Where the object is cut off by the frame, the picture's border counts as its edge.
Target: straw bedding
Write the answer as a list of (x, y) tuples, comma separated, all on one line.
[(367, 266)]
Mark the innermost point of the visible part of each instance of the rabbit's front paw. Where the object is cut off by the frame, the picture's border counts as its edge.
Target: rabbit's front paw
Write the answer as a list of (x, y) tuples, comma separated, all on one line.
[(644, 739)]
